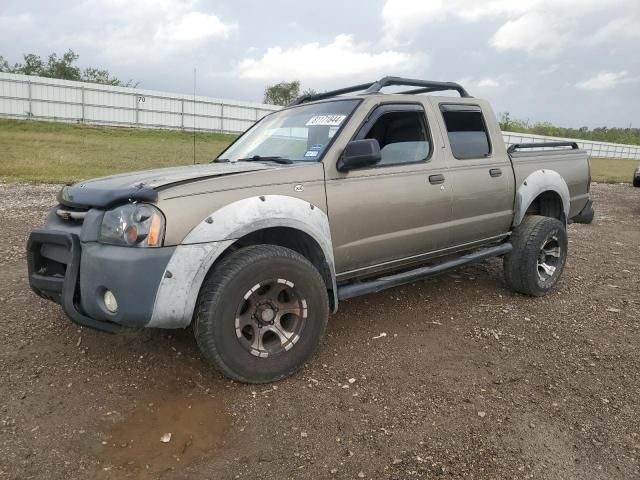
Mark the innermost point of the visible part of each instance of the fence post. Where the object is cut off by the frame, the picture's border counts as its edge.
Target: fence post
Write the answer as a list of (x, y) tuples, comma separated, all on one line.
[(137, 99), (222, 117), (30, 113), (182, 113), (82, 101)]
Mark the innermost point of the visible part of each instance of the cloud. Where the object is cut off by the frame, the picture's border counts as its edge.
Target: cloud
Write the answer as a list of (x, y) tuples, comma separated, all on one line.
[(533, 33), (401, 17), (605, 81), (16, 22), (341, 58), (193, 26), (539, 27), (488, 83), (150, 32), (626, 28)]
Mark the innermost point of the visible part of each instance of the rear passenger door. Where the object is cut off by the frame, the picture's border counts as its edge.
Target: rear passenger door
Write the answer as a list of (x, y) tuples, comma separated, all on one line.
[(480, 175), (385, 214)]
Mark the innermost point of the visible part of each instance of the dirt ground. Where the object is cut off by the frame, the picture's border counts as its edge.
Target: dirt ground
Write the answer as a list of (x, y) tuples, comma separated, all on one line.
[(470, 380)]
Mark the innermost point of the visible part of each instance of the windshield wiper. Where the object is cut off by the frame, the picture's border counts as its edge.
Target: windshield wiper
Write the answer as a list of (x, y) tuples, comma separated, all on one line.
[(255, 158), (258, 158)]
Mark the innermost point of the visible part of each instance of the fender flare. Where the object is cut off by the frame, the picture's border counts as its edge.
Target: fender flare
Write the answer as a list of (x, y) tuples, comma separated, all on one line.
[(180, 285), (536, 183)]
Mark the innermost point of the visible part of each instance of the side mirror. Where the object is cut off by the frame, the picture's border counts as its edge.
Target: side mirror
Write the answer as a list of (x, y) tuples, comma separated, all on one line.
[(359, 154)]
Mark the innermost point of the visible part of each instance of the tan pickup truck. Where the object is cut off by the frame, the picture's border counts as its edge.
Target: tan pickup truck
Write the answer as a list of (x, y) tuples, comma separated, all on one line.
[(340, 194)]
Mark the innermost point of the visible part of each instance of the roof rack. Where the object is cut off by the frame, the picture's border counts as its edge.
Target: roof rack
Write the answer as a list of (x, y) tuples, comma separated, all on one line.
[(375, 87)]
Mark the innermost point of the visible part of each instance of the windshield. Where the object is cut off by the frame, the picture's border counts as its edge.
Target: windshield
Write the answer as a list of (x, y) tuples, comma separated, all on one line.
[(299, 134)]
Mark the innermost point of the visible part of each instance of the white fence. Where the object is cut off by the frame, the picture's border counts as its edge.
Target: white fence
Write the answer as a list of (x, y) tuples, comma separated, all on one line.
[(595, 149), (39, 98)]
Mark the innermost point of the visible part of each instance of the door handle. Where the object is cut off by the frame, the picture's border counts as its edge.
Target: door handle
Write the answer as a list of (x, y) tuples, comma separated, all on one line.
[(495, 172), (436, 179)]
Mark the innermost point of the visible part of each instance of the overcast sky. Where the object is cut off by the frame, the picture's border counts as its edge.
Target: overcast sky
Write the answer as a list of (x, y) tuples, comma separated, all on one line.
[(571, 62)]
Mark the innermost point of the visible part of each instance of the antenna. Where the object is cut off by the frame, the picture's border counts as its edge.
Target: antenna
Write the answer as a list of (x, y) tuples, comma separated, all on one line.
[(194, 116)]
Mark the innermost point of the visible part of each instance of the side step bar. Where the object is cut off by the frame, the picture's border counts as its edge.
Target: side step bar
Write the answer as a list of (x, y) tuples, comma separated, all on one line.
[(351, 290)]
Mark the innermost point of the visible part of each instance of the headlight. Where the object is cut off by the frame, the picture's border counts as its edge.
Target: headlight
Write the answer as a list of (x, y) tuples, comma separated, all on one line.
[(133, 225)]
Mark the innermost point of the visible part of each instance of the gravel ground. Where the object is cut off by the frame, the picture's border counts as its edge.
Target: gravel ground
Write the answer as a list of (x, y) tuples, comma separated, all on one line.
[(470, 380)]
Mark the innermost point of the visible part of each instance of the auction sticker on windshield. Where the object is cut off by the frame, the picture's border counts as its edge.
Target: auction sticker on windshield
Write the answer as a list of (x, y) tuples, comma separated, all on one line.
[(326, 120)]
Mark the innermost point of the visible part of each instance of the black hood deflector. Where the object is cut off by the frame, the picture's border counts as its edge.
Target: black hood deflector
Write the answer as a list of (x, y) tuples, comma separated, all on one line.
[(76, 196)]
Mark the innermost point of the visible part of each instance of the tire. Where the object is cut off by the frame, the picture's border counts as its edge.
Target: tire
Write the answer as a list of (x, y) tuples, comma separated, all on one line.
[(527, 269), (261, 314)]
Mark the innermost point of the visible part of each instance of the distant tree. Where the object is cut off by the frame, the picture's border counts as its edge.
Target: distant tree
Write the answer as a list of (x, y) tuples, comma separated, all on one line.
[(309, 91), (4, 65), (600, 134), (97, 75), (282, 93), (33, 65), (61, 67)]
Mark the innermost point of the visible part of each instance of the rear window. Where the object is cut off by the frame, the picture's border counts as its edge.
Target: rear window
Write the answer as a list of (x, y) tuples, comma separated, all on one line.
[(467, 131)]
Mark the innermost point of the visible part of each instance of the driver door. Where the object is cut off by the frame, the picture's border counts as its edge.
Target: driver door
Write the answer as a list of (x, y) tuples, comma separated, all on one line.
[(397, 211)]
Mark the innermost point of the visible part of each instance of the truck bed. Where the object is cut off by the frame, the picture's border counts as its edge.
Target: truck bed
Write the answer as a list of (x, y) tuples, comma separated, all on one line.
[(571, 163)]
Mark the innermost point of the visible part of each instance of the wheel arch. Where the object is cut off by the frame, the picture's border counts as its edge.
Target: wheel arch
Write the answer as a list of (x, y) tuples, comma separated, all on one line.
[(295, 239), (272, 219), (544, 192)]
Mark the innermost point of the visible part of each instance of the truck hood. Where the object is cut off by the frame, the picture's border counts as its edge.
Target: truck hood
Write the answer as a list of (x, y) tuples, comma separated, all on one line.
[(143, 186)]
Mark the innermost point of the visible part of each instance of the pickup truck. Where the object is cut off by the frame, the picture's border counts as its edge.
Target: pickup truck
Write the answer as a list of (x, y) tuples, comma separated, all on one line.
[(340, 194)]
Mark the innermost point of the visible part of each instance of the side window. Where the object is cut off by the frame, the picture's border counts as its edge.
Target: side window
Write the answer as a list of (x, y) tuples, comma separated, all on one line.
[(402, 135), (467, 131)]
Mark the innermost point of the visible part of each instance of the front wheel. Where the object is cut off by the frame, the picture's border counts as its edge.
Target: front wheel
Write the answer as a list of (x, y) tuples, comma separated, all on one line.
[(538, 257), (261, 313)]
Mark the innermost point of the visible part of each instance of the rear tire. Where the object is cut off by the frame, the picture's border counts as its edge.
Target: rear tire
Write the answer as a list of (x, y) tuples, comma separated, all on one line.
[(539, 253), (261, 314)]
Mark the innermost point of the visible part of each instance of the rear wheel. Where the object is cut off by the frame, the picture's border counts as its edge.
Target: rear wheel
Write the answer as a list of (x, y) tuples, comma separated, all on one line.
[(539, 253), (261, 313)]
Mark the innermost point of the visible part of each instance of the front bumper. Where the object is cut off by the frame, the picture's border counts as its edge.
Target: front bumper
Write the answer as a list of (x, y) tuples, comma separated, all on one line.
[(76, 275)]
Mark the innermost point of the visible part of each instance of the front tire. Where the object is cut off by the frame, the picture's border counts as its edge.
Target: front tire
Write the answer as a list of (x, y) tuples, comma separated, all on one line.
[(539, 253), (261, 314)]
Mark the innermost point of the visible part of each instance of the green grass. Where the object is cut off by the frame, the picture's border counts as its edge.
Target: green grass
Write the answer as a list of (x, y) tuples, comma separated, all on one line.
[(612, 170), (48, 152)]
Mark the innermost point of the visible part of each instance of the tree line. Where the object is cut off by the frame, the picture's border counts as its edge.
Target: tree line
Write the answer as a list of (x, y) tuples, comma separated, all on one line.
[(628, 135), (62, 67)]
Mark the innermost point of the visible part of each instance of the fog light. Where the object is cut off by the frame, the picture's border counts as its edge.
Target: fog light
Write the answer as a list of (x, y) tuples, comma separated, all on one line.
[(110, 301)]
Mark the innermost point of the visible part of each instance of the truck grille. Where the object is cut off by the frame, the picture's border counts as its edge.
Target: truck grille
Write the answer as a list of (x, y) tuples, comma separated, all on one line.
[(71, 214)]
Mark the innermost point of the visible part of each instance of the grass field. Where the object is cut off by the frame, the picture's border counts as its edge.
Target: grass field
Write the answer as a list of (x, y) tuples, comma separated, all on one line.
[(608, 170), (47, 152)]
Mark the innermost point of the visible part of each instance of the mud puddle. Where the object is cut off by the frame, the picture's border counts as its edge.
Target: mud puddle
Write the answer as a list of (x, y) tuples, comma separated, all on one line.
[(160, 436)]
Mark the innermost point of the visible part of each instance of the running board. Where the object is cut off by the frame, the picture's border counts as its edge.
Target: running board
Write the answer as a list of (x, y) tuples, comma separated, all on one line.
[(351, 290)]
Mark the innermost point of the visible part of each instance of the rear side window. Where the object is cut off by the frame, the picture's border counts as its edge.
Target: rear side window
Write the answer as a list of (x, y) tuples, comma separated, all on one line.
[(467, 131), (402, 135)]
